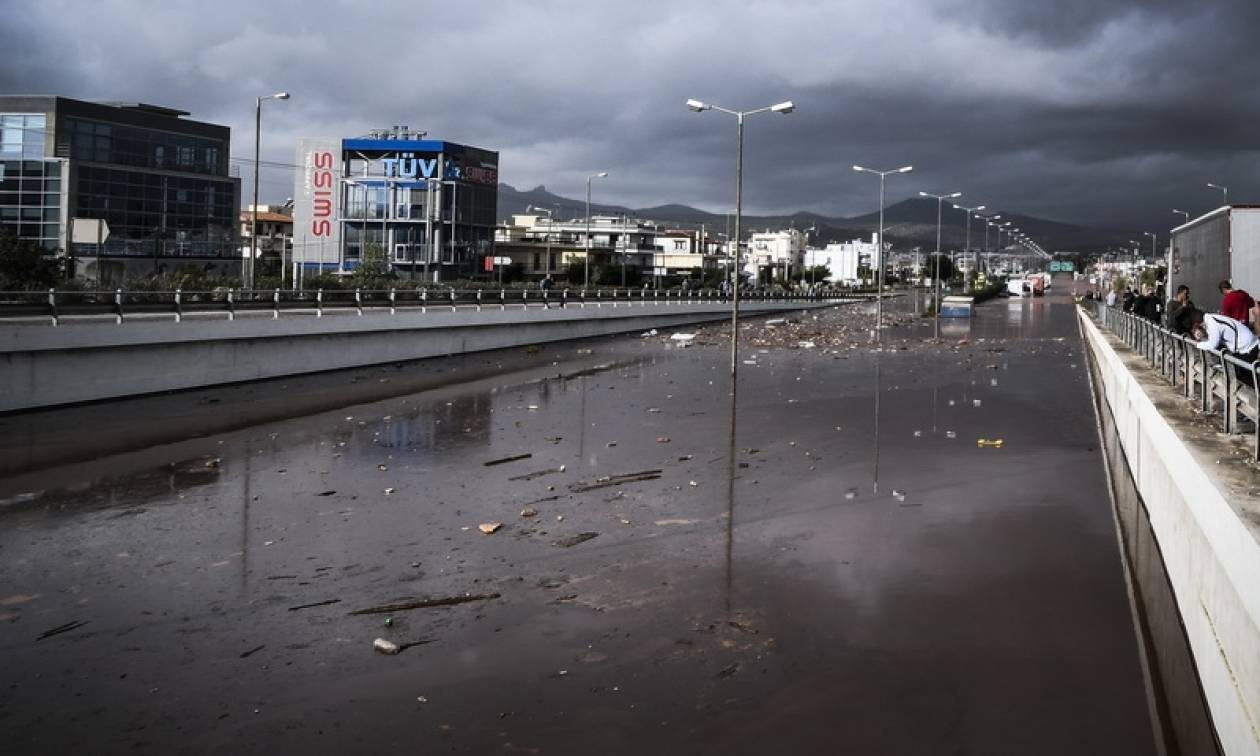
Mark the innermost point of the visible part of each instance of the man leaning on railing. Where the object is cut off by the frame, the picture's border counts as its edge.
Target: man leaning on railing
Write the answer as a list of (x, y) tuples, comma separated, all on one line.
[(1231, 336)]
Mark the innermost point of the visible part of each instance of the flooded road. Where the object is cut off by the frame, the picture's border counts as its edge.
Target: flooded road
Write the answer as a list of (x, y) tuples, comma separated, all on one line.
[(647, 591)]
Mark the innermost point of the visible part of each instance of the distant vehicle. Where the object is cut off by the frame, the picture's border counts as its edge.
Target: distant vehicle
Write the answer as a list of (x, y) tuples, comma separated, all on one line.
[(1037, 284), (1016, 287)]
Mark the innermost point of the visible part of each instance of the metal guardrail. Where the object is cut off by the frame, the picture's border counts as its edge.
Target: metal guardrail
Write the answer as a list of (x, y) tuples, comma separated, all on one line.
[(56, 307), (1206, 377)]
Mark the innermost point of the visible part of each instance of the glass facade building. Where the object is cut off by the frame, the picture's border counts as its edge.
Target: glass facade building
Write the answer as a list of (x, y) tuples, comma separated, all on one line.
[(423, 205), (161, 182), (30, 184)]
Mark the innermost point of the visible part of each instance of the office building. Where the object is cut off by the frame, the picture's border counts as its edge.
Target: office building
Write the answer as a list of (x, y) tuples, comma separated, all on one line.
[(160, 182), (398, 200)]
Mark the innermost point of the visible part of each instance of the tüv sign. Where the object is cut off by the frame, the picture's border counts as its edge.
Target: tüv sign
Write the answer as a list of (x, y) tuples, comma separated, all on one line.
[(407, 165)]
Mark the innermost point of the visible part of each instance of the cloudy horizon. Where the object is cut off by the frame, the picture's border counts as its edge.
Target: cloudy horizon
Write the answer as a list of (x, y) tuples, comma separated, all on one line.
[(1099, 113)]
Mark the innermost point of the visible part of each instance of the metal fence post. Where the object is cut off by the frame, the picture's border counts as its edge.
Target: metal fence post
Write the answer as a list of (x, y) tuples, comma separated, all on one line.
[(118, 306), (392, 301), (478, 300), (424, 300), (319, 302), (358, 300), (52, 306), (452, 294), (275, 304), (179, 306)]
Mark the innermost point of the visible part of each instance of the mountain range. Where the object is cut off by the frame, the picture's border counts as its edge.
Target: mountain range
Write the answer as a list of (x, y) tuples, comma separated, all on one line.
[(908, 223)]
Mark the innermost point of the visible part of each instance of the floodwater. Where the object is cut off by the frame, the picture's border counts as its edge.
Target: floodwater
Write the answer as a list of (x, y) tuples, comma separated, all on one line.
[(748, 587)]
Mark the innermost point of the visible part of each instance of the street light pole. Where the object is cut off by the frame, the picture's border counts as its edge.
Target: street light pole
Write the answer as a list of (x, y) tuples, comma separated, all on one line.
[(988, 221), (879, 294), (1183, 214), (550, 223), (970, 210), (1154, 256), (1224, 192), (586, 278), (253, 222), (936, 284), (699, 107)]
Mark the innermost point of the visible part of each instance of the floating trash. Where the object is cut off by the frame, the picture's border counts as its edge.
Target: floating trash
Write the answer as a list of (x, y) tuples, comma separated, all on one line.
[(950, 434), (975, 402), (918, 434), (851, 493), (995, 443), (899, 495)]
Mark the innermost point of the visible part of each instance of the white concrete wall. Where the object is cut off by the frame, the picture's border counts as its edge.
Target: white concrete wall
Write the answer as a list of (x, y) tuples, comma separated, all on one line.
[(43, 366), (1211, 554)]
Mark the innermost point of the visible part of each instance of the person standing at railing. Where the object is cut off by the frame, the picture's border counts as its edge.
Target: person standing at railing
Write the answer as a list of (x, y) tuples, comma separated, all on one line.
[(1111, 298), (1179, 315), (1235, 303), (1147, 305), (1230, 336)]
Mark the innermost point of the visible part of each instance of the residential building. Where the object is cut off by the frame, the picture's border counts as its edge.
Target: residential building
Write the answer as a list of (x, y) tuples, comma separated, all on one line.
[(543, 246), (423, 205), (774, 254), (160, 182), (847, 261), (275, 236)]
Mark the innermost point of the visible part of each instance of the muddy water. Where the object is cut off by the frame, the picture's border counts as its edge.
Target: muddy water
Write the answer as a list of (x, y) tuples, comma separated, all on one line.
[(767, 600)]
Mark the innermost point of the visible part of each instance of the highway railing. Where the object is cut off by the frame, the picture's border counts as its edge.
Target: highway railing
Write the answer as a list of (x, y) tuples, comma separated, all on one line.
[(56, 307), (1208, 378)]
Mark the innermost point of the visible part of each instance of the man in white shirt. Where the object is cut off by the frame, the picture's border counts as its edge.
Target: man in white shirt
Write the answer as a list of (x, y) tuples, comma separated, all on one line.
[(1224, 333), (1111, 298)]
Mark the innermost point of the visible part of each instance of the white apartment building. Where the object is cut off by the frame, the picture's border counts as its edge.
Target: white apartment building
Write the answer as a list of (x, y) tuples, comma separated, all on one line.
[(844, 259), (774, 253)]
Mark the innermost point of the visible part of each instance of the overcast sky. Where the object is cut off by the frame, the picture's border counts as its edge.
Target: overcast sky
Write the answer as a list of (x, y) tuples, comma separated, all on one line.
[(1103, 112)]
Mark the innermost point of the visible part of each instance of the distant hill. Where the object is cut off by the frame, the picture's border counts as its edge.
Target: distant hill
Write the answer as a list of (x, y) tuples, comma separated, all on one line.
[(911, 222)]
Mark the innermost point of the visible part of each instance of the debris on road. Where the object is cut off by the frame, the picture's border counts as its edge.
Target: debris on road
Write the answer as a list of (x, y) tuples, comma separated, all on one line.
[(317, 603), (505, 460), (529, 512), (539, 473), (59, 629), (385, 647), (662, 439), (615, 480), (574, 540), (490, 528), (403, 606), (325, 493), (994, 443), (253, 651)]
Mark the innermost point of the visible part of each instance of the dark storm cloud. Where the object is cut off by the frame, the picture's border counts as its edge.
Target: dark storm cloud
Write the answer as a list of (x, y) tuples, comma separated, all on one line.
[(1090, 111)]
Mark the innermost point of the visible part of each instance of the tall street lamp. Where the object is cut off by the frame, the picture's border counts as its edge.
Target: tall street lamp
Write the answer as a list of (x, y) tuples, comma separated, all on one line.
[(936, 285), (699, 107), (1154, 257), (969, 211), (988, 221), (879, 295), (253, 221), (1183, 214), (586, 278), (1224, 192), (550, 224)]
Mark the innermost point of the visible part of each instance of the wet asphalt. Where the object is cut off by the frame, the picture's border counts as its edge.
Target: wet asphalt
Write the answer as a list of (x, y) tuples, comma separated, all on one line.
[(776, 600)]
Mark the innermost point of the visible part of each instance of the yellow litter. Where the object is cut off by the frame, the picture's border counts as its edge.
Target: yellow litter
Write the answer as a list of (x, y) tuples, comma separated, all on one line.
[(996, 443)]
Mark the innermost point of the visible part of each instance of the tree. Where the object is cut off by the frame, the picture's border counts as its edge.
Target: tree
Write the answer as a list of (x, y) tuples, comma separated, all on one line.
[(24, 265), (946, 267), (373, 270)]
